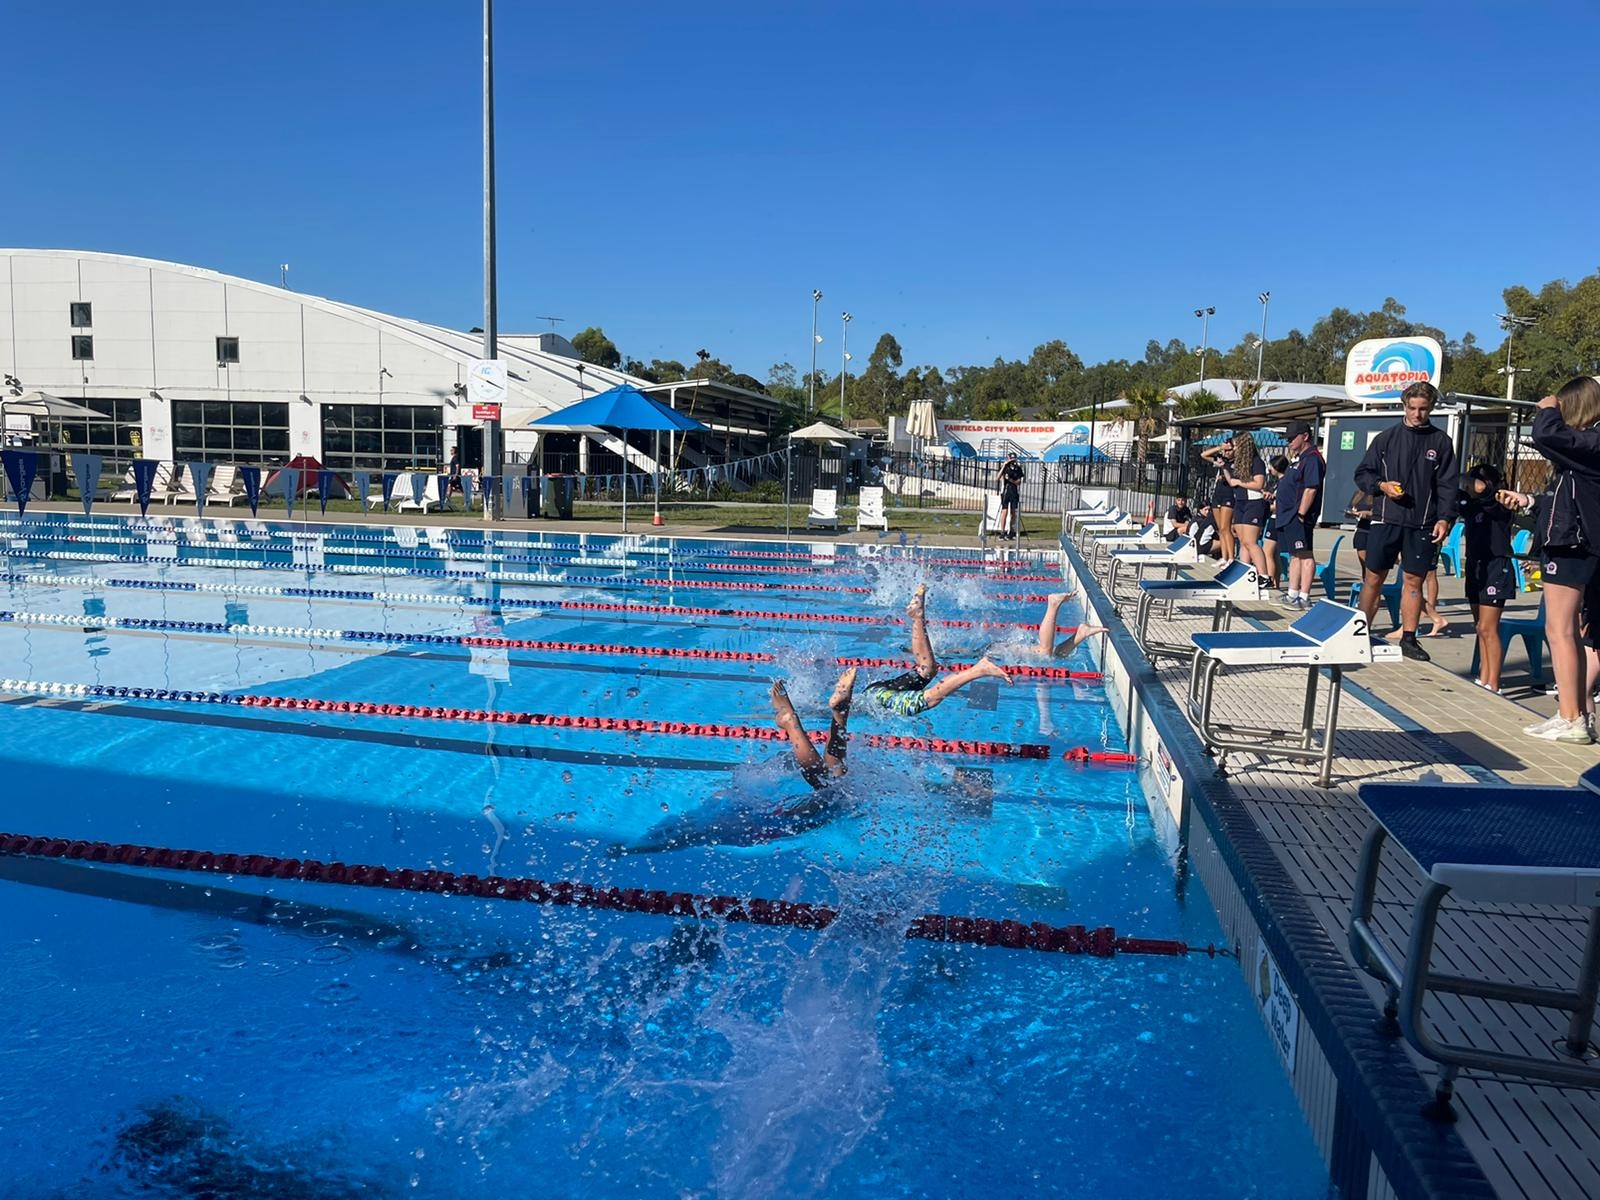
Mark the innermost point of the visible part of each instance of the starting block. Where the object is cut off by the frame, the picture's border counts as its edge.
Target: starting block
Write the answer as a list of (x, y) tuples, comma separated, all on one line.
[(1180, 552), (1494, 845), (1123, 525), (1078, 518), (1331, 636), (1147, 537), (1235, 582)]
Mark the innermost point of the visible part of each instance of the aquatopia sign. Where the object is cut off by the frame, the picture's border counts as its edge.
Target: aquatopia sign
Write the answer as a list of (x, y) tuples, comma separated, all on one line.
[(1382, 368)]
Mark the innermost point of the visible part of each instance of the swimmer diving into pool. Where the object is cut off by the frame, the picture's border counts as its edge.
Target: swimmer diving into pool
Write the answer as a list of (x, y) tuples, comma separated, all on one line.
[(915, 692), (1047, 628), (732, 820)]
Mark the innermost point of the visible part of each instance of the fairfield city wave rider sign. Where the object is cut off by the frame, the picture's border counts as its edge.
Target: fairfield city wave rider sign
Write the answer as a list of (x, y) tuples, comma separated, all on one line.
[(1382, 368)]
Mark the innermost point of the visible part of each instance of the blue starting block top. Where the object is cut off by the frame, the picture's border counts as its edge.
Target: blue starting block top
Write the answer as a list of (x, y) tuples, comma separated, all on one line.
[(1509, 845)]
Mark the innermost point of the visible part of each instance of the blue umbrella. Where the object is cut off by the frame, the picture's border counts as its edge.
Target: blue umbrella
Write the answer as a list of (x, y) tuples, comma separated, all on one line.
[(626, 408)]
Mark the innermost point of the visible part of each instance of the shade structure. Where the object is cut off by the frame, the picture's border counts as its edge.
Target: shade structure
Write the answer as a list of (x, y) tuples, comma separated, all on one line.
[(1075, 452), (308, 468), (43, 404), (821, 431), (625, 408)]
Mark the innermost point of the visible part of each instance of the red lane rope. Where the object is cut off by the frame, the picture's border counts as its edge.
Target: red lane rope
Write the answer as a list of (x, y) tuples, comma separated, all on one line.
[(428, 712), (934, 927)]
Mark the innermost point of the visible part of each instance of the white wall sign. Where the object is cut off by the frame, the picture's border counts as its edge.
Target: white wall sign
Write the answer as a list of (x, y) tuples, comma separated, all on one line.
[(486, 381), (1277, 1006)]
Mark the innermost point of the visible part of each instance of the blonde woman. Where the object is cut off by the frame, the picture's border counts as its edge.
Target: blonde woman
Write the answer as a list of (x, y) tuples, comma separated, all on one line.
[(1248, 478), (1222, 497), (1566, 430)]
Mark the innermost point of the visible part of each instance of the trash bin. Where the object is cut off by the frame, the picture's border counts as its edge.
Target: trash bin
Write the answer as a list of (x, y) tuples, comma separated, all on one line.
[(531, 495), (563, 496)]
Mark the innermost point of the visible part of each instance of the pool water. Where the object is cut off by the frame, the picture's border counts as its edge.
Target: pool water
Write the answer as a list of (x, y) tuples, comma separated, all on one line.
[(177, 1034)]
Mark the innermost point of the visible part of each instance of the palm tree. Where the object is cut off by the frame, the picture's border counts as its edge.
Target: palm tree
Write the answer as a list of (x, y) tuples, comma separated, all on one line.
[(1147, 407)]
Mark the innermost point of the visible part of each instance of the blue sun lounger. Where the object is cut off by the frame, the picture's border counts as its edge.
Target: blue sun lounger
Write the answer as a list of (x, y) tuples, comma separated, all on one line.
[(1490, 845), (1235, 582), (1329, 637)]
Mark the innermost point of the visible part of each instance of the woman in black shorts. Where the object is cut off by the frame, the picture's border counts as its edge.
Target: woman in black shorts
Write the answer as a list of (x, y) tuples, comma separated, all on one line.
[(1249, 479), (1566, 430), (1219, 456)]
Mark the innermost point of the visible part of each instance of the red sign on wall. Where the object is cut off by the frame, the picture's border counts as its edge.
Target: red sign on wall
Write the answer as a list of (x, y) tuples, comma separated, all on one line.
[(485, 412)]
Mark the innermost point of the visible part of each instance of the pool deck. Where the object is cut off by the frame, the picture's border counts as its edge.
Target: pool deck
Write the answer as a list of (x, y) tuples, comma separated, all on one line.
[(1407, 721)]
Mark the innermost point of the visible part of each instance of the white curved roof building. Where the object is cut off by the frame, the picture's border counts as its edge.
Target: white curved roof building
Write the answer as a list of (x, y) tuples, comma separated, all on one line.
[(190, 363)]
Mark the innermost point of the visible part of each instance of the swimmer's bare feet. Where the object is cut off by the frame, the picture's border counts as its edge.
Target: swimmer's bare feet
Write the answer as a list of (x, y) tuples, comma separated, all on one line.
[(1057, 599), (1088, 631), (1439, 629), (839, 702), (782, 708), (918, 601), (990, 670)]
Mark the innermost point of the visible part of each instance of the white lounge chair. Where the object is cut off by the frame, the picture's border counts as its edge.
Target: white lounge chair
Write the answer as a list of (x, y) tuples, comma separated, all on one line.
[(869, 509), (160, 487), (824, 512), (222, 486), (1489, 845), (405, 495), (992, 522)]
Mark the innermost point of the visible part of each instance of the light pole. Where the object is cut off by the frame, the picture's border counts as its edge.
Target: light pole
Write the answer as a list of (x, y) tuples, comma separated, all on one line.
[(816, 298), (1205, 315), (1511, 324), (844, 364), (491, 349), (1261, 349)]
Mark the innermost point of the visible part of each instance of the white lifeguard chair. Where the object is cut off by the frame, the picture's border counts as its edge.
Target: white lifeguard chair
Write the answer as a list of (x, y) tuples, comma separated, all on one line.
[(869, 510)]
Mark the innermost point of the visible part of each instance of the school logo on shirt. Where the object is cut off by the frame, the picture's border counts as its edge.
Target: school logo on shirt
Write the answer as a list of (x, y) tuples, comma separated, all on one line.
[(1432, 454)]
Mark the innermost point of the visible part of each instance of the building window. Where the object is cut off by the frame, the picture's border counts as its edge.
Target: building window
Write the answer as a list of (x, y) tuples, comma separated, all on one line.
[(82, 313), (239, 431), (372, 437), (227, 350), (112, 438), (82, 348)]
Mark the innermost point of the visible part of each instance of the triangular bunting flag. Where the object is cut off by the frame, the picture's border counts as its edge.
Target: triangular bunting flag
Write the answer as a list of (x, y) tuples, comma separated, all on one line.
[(144, 482), (289, 481), (86, 468), (363, 482), (389, 478), (419, 487), (466, 490), (324, 486), (21, 467), (199, 472), (251, 478)]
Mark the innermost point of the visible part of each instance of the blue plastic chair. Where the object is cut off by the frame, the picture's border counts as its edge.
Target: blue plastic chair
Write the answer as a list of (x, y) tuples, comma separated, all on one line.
[(1519, 546), (1391, 598), (1329, 571), (1531, 631), (1450, 552)]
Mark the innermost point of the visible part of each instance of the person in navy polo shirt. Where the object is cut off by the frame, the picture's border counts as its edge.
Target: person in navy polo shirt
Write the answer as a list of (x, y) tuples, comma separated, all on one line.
[(1299, 504)]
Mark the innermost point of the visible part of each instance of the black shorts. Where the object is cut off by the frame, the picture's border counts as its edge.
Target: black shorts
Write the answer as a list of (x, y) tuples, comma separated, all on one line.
[(1294, 536), (1411, 547), (1249, 512), (1222, 495), (1489, 581), (1362, 534), (1009, 495), (1569, 568)]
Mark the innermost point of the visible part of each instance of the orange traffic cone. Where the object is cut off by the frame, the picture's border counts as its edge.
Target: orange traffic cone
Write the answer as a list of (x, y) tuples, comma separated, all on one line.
[(655, 519)]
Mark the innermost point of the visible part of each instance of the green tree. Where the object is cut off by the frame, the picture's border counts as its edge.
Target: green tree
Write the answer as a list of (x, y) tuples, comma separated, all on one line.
[(593, 346)]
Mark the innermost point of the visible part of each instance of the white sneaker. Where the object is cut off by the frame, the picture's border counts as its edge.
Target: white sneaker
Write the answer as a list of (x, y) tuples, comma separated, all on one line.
[(1575, 730), (1539, 729)]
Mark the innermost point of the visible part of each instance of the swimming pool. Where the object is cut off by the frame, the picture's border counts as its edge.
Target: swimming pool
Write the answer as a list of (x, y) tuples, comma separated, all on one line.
[(184, 1032)]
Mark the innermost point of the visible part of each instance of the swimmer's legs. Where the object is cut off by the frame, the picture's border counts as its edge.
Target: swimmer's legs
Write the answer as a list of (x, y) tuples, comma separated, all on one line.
[(950, 684), (921, 647), (839, 720), (789, 722), (1047, 626)]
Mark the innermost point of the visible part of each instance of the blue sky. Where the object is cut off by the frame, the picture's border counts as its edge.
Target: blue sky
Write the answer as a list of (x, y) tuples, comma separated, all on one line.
[(974, 178)]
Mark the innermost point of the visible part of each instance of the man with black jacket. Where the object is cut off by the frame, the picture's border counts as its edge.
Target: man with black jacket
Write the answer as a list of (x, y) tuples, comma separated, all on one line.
[(1410, 472)]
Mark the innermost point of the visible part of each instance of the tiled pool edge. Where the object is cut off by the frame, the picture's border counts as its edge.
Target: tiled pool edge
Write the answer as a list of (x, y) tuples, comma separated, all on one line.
[(1359, 1091)]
